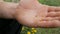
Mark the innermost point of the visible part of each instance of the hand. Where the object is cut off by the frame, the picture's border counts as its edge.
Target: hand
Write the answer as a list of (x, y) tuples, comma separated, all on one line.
[(33, 14)]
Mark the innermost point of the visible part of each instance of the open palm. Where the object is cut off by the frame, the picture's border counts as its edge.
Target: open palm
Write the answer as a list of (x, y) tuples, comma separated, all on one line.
[(33, 14)]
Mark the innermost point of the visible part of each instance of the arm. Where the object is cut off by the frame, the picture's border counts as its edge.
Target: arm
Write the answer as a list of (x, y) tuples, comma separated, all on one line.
[(7, 10), (30, 13)]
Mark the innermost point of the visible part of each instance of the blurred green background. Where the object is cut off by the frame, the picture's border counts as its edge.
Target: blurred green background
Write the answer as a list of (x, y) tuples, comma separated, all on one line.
[(26, 30)]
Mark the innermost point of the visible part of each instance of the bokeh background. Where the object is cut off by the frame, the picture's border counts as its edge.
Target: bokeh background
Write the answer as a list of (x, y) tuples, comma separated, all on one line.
[(26, 30)]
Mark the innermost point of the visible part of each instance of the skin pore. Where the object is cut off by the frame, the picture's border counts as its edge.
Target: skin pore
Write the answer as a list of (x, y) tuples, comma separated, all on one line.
[(31, 13)]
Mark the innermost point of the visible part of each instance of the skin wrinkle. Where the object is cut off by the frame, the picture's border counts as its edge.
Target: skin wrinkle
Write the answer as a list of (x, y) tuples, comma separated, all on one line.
[(54, 14)]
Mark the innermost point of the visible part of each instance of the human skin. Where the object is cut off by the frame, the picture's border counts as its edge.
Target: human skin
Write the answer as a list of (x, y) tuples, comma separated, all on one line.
[(7, 10), (31, 13)]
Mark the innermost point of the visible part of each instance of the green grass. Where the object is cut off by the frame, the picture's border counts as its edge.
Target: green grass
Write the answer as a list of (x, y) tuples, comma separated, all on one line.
[(44, 30), (50, 2)]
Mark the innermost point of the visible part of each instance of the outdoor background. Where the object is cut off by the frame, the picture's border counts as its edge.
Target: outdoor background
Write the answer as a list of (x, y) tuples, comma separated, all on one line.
[(26, 30)]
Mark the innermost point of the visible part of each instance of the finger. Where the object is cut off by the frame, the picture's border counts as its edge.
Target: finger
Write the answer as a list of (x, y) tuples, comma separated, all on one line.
[(50, 18), (57, 9), (53, 23), (53, 14), (46, 19), (54, 11), (53, 8), (56, 18)]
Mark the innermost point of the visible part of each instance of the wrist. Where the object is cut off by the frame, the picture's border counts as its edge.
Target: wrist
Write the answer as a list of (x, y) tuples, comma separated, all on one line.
[(7, 10)]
